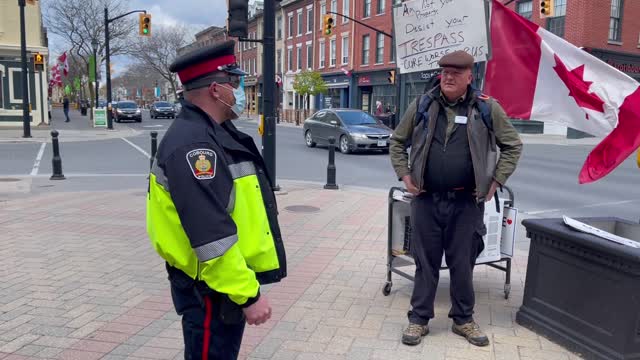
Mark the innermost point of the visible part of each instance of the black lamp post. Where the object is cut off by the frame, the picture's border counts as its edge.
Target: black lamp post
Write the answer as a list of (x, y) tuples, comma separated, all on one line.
[(94, 46)]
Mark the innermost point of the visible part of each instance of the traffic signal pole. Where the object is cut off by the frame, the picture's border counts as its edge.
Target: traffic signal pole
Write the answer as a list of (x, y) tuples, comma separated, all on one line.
[(26, 124), (108, 58), (269, 90)]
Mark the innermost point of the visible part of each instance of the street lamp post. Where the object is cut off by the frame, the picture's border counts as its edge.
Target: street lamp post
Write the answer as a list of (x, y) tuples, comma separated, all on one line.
[(94, 45)]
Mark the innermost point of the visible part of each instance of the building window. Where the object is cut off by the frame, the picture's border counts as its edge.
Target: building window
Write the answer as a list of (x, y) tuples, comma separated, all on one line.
[(365, 49), (321, 54), (334, 5), (309, 20), (345, 10), (556, 23), (290, 20), (525, 9), (332, 52), (279, 61), (1, 91), (345, 50), (255, 36), (397, 2), (323, 11), (309, 57), (615, 33), (367, 8), (300, 24), (381, 5), (289, 59), (299, 57), (379, 48), (279, 27)]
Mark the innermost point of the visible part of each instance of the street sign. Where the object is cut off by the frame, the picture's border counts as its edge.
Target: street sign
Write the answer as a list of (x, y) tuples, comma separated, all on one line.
[(99, 117), (427, 30)]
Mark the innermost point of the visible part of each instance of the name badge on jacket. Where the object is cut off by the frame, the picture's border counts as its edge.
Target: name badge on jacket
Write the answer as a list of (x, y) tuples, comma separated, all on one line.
[(461, 120)]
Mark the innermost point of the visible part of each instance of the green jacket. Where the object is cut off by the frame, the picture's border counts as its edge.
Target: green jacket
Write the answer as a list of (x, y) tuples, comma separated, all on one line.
[(482, 141)]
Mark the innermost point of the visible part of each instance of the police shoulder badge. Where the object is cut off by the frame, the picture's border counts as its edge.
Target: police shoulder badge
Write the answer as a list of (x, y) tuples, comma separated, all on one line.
[(202, 163)]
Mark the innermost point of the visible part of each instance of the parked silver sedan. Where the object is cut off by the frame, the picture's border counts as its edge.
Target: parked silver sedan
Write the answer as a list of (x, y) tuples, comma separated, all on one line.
[(353, 130)]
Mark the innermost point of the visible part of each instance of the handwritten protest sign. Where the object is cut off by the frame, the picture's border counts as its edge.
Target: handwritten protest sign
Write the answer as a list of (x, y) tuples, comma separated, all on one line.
[(426, 30)]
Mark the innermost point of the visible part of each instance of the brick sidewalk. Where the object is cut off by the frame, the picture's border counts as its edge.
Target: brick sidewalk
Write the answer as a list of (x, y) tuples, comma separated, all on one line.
[(81, 281)]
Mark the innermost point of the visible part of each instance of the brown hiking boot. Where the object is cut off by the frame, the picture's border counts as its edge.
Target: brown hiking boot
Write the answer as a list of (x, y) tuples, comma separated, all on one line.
[(472, 332), (413, 334)]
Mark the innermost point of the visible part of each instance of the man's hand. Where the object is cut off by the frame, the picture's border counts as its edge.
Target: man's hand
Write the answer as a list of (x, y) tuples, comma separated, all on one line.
[(492, 190), (409, 185), (259, 312)]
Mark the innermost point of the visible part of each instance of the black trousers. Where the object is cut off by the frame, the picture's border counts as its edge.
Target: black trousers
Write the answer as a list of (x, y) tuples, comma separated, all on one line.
[(451, 223), (212, 326)]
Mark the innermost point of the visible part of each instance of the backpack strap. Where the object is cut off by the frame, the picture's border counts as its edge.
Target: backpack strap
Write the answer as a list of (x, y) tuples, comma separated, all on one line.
[(422, 109), (485, 109)]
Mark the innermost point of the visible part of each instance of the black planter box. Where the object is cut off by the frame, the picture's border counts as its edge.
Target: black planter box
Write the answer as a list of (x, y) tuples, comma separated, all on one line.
[(583, 291)]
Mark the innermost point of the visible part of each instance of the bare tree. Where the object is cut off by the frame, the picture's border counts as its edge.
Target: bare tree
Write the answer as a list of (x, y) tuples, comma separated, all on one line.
[(160, 49), (79, 22)]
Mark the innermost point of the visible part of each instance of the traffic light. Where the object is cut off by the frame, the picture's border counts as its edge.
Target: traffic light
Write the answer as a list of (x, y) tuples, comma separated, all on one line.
[(145, 24), (546, 8), (238, 20), (392, 77), (38, 62), (327, 21)]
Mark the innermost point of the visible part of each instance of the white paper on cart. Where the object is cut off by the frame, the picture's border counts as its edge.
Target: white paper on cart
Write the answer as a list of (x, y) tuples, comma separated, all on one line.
[(580, 226)]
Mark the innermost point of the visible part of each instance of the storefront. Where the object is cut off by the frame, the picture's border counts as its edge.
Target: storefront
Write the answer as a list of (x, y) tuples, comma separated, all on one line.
[(373, 87), (625, 62), (337, 95)]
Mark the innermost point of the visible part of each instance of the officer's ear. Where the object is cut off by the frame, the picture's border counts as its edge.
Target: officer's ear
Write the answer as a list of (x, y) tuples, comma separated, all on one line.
[(214, 90)]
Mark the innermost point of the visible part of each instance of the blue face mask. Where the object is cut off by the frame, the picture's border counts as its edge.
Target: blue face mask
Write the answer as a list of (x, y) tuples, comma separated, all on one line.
[(241, 99)]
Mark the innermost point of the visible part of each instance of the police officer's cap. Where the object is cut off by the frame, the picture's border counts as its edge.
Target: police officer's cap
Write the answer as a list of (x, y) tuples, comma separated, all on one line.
[(458, 59), (214, 59)]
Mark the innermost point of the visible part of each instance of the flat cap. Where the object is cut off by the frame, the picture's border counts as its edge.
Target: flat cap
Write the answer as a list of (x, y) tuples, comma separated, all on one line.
[(196, 64), (457, 59)]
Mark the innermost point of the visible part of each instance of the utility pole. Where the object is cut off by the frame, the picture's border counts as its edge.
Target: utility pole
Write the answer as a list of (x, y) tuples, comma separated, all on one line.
[(269, 90), (108, 56), (26, 124)]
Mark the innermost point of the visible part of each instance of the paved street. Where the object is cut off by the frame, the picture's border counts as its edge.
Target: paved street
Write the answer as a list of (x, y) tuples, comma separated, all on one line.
[(545, 182)]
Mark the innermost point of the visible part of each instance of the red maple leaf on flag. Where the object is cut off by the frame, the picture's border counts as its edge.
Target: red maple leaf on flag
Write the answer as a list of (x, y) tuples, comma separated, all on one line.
[(578, 87)]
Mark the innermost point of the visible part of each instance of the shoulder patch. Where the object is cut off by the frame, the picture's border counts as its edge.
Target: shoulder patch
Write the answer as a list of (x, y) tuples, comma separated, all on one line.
[(202, 163), (484, 97)]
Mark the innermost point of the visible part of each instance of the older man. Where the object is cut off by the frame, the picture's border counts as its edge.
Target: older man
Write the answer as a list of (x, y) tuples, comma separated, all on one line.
[(453, 131), (211, 213)]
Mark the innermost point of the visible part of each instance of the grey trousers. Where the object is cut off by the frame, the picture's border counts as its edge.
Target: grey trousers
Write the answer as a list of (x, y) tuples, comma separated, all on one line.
[(452, 223)]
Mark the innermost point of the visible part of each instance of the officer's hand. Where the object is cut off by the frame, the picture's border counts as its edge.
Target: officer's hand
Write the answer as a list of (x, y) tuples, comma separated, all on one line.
[(409, 185), (492, 190), (259, 312)]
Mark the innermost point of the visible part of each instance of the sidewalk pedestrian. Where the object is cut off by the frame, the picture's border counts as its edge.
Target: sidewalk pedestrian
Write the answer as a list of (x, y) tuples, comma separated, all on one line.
[(211, 211), (65, 108), (453, 130)]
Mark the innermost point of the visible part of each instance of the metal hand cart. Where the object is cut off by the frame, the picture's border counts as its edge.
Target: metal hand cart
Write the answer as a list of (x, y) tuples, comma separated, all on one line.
[(399, 234)]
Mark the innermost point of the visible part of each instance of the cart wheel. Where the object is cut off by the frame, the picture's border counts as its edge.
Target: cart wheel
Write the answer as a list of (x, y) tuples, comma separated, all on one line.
[(387, 289), (507, 290)]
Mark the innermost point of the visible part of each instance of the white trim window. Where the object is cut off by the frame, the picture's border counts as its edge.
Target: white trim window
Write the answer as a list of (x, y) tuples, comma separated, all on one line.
[(323, 11), (367, 9), (334, 6), (332, 52), (345, 50), (290, 23), (321, 54), (279, 27), (300, 23), (309, 20), (366, 44), (379, 48), (345, 10), (381, 6), (299, 56), (290, 58)]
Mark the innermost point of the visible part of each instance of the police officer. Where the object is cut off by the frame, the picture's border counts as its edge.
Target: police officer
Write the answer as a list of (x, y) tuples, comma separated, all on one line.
[(453, 131), (211, 213)]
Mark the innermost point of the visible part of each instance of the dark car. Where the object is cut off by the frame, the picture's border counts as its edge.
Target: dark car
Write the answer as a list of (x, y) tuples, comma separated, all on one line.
[(162, 109), (128, 110), (354, 130)]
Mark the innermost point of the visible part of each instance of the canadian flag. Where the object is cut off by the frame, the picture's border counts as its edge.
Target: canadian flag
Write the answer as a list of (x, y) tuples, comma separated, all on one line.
[(538, 75), (55, 75), (63, 60)]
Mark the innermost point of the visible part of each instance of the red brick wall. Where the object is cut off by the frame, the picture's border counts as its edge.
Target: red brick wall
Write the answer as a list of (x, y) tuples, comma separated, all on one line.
[(294, 39), (382, 22), (338, 29)]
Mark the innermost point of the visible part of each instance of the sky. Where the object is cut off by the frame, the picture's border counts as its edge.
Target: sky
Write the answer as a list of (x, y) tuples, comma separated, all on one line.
[(196, 14)]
